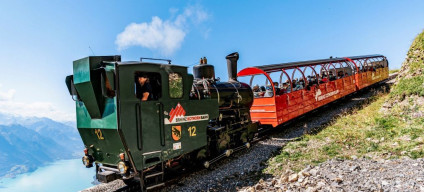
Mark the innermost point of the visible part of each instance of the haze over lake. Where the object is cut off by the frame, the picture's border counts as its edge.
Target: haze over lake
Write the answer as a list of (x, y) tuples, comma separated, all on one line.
[(63, 175)]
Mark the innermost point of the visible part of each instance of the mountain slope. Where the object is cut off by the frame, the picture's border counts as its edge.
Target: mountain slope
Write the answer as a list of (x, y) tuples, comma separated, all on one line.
[(26, 143)]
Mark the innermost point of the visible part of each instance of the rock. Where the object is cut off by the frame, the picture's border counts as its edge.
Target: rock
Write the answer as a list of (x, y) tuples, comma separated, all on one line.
[(384, 182), (261, 181), (259, 187), (338, 179), (314, 172), (355, 168), (273, 182), (320, 185), (250, 189), (293, 177), (305, 173), (311, 189), (284, 179)]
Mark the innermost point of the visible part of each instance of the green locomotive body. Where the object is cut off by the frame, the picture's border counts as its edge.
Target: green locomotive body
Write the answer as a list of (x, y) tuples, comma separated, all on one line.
[(126, 137)]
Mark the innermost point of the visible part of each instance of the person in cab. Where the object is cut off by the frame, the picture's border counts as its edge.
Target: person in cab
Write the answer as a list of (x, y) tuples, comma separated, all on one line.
[(144, 89)]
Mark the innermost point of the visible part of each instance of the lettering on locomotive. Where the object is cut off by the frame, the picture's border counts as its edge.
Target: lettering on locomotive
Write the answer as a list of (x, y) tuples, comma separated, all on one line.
[(99, 134), (192, 131), (177, 115)]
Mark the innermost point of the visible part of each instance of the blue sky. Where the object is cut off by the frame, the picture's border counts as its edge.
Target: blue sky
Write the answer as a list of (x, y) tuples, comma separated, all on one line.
[(40, 39)]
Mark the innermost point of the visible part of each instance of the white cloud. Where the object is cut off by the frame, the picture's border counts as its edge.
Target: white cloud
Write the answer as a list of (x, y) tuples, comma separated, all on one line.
[(165, 36), (36, 109), (7, 95)]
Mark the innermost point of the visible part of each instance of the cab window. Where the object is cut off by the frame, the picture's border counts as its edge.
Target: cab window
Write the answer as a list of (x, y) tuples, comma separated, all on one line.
[(148, 86), (175, 85)]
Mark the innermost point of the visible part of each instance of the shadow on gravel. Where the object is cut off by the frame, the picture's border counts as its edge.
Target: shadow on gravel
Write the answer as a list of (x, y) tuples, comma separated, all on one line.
[(246, 168)]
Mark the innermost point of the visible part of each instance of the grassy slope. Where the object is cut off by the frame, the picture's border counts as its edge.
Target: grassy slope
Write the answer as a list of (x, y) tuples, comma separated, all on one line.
[(370, 131)]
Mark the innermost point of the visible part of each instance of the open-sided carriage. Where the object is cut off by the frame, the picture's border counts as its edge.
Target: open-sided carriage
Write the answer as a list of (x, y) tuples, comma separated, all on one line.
[(322, 81)]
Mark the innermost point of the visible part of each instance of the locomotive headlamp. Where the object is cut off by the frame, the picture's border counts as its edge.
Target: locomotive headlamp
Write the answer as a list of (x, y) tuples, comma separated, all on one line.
[(122, 167), (87, 161)]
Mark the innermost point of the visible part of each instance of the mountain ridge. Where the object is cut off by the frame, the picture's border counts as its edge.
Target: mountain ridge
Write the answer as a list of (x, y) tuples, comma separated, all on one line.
[(29, 142)]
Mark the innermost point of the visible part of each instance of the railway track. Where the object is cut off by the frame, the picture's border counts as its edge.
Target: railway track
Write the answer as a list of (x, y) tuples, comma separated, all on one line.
[(262, 134)]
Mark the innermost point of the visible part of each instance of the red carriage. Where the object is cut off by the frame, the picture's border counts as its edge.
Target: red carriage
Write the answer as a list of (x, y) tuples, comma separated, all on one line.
[(288, 90)]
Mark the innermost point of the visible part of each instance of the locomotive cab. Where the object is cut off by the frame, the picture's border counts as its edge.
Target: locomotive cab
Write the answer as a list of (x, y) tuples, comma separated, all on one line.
[(123, 134)]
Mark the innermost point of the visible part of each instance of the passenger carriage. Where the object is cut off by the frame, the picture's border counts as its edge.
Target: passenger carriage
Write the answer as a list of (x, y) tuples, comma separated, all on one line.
[(277, 106)]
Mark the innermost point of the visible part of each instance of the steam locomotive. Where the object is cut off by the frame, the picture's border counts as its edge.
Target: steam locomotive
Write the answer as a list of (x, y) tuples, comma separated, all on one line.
[(190, 118)]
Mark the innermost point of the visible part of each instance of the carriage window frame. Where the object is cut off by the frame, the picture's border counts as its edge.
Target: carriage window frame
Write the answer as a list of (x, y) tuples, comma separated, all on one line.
[(181, 88)]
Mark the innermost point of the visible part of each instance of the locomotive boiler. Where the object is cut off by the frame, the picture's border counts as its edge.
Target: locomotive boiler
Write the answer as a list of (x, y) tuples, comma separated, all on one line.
[(233, 126)]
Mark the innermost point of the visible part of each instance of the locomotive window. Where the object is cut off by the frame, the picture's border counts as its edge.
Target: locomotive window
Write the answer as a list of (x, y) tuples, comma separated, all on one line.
[(147, 82), (175, 85)]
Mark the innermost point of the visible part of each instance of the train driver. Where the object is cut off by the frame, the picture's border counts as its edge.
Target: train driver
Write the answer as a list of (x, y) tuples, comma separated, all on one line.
[(144, 91)]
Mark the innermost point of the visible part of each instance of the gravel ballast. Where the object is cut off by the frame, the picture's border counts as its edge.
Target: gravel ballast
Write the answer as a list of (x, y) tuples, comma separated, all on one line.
[(351, 175)]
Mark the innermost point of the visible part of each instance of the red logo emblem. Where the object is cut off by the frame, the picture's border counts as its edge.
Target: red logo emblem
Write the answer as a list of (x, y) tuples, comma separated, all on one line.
[(177, 111)]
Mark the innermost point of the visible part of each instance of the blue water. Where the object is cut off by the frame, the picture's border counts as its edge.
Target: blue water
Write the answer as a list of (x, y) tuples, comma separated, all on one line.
[(64, 175)]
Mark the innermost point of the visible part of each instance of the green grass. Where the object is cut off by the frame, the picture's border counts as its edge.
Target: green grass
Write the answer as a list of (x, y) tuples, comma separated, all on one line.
[(407, 87), (365, 132), (418, 42), (394, 71)]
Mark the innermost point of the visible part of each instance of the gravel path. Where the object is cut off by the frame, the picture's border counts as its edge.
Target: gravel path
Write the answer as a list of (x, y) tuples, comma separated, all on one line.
[(351, 175)]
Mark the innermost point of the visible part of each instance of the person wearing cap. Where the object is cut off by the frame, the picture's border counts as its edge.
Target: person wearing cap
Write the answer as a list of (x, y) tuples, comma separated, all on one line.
[(144, 89)]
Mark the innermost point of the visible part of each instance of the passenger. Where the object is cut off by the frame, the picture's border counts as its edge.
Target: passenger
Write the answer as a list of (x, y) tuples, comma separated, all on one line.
[(299, 85), (263, 90), (331, 76), (324, 79), (311, 83), (288, 86), (277, 88), (144, 91), (294, 82), (340, 75), (346, 74), (256, 91), (269, 92), (284, 88)]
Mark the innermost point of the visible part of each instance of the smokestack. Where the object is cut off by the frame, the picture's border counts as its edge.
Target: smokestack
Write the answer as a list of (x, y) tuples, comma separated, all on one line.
[(232, 66)]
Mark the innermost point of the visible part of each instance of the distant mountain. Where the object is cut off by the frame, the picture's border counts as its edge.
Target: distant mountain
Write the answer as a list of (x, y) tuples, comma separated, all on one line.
[(26, 143)]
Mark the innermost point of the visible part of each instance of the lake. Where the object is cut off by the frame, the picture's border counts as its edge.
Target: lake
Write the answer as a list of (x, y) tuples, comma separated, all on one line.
[(63, 175)]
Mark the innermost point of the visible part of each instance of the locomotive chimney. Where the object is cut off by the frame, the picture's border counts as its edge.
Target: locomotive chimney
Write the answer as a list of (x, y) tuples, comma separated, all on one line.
[(232, 66)]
